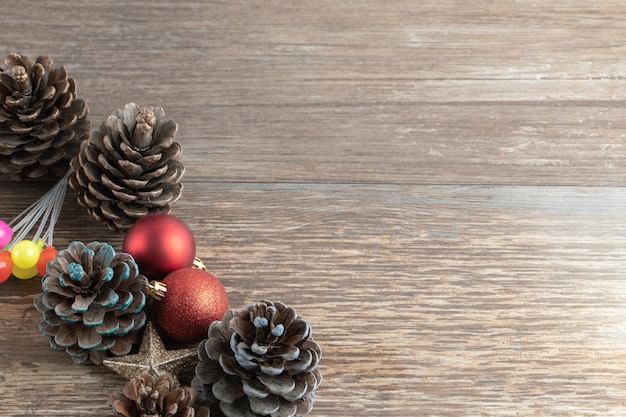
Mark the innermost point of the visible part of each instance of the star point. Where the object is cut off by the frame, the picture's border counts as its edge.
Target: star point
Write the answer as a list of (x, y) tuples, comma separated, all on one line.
[(152, 358)]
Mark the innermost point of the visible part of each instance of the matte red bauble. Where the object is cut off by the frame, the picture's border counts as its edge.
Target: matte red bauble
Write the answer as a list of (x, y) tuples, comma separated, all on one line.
[(160, 244), (194, 299)]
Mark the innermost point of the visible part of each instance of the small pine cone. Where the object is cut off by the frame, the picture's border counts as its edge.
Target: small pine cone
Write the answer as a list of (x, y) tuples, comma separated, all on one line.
[(259, 361), (92, 302), (129, 167), (41, 121), (148, 396)]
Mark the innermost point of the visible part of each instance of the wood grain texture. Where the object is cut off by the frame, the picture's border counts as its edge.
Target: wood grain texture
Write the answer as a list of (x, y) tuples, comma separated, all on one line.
[(437, 186)]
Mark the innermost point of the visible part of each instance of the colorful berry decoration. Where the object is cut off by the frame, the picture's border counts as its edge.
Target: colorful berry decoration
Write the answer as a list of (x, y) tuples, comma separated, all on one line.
[(160, 244), (194, 299), (259, 361), (6, 266), (6, 233), (92, 302), (48, 254)]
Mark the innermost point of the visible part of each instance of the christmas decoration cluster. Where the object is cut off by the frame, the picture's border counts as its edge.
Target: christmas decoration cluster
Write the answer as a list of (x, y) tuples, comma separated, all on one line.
[(106, 307)]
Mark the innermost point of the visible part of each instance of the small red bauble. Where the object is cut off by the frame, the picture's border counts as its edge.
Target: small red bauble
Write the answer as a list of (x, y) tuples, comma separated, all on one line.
[(160, 244), (194, 299)]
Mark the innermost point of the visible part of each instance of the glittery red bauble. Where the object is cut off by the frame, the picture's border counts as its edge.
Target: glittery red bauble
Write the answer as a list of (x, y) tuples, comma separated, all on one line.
[(194, 299), (160, 244)]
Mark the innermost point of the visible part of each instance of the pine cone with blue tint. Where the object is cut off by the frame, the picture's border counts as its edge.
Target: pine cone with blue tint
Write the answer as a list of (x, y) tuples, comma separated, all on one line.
[(42, 122), (92, 302), (259, 361)]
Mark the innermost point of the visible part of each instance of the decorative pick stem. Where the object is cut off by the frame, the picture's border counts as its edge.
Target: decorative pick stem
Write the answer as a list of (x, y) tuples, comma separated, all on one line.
[(44, 212)]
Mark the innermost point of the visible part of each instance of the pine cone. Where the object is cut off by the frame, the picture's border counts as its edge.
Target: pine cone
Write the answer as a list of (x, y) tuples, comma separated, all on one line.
[(259, 361), (129, 167), (41, 121), (92, 302), (147, 396)]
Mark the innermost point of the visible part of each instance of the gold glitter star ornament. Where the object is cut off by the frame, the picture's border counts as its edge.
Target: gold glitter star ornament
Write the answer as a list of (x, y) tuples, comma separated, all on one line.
[(153, 358)]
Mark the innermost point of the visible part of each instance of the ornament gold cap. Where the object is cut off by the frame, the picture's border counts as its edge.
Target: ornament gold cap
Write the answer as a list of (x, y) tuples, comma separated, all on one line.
[(156, 289), (198, 264)]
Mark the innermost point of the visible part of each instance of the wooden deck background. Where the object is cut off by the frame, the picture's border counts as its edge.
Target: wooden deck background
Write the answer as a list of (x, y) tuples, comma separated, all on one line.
[(438, 186)]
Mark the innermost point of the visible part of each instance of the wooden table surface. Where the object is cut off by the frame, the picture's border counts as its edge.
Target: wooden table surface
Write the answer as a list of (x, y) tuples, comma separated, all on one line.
[(437, 186)]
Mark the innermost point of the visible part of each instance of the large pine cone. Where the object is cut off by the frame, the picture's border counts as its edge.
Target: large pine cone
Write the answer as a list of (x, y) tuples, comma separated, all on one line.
[(148, 396), (41, 121), (259, 361), (129, 167), (92, 302)]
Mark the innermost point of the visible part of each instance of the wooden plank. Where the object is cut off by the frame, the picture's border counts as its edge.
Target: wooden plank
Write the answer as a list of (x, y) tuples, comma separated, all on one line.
[(445, 299), (530, 143), (427, 92), (424, 143)]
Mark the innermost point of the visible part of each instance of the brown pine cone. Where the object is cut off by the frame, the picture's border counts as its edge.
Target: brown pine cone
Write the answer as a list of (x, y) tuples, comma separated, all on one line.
[(92, 302), (259, 361), (129, 167), (42, 122), (148, 396)]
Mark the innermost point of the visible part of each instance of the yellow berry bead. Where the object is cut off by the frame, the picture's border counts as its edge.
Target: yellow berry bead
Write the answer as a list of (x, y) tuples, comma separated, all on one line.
[(24, 273), (25, 254)]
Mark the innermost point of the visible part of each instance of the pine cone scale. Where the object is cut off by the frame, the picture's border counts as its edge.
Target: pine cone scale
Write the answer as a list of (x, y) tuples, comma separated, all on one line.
[(37, 146), (20, 129), (27, 117), (87, 338), (264, 406), (65, 137), (55, 113)]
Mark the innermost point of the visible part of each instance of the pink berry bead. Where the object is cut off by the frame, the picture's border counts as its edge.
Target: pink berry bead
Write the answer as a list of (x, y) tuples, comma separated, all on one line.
[(6, 233)]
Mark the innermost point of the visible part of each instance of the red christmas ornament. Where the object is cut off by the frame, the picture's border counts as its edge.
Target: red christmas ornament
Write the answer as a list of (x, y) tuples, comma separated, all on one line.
[(194, 299), (160, 244)]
